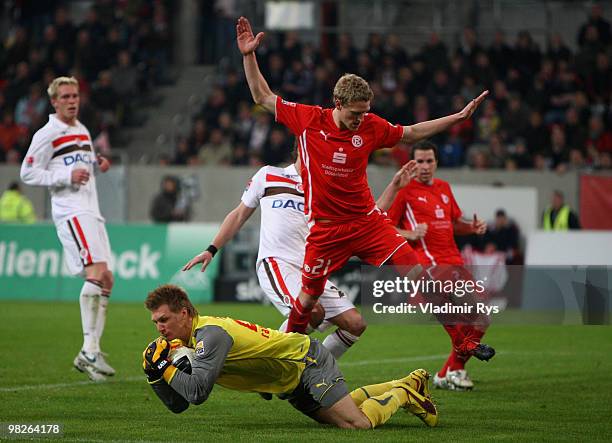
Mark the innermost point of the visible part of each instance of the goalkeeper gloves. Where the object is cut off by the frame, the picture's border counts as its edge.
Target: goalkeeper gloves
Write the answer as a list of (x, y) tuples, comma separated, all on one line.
[(156, 364)]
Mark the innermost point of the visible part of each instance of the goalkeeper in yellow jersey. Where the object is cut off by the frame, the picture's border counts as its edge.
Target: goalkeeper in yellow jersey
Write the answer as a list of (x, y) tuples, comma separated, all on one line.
[(247, 357)]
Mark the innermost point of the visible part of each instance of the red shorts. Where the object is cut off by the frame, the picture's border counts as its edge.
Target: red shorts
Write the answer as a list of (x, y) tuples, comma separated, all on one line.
[(329, 246)]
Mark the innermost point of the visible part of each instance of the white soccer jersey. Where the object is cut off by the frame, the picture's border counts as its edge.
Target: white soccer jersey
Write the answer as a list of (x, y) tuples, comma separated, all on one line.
[(283, 228), (57, 149)]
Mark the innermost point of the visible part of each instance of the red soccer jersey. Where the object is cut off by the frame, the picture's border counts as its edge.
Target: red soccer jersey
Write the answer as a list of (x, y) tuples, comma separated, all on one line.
[(435, 205), (334, 161)]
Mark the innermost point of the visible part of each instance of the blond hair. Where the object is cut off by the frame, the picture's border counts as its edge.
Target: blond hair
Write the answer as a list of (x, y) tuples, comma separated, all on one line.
[(352, 88), (59, 81), (174, 296)]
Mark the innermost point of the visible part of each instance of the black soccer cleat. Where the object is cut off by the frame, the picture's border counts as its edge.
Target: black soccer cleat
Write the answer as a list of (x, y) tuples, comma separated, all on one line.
[(265, 395), (483, 352)]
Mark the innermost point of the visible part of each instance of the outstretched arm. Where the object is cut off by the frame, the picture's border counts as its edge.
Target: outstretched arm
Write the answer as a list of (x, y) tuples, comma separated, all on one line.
[(401, 178), (230, 226), (247, 44), (423, 130)]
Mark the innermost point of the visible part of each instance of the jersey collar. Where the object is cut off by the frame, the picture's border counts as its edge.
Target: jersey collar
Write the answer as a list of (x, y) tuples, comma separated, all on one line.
[(60, 124)]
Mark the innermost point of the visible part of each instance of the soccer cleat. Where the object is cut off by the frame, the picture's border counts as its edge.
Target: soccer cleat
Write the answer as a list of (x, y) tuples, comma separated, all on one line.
[(265, 395), (84, 363), (419, 405), (419, 381), (459, 380), (483, 352), (102, 366), (440, 382)]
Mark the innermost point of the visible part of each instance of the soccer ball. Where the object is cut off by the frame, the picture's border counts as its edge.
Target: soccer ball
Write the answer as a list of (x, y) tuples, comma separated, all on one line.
[(181, 356)]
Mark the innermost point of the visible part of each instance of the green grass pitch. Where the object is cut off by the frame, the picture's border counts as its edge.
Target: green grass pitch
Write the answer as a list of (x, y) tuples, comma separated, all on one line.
[(548, 383)]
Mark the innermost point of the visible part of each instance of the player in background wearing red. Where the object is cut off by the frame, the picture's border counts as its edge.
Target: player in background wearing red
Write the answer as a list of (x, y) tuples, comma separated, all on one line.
[(335, 145), (282, 238), (426, 213)]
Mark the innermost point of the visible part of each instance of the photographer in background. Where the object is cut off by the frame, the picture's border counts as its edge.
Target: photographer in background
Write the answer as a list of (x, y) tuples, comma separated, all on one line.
[(171, 204)]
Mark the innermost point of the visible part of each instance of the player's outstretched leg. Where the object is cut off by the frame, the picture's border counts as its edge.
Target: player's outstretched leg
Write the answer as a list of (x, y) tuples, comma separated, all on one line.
[(417, 380), (380, 408)]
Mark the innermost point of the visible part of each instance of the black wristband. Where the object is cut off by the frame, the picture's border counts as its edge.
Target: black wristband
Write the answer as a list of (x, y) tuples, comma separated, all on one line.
[(212, 249)]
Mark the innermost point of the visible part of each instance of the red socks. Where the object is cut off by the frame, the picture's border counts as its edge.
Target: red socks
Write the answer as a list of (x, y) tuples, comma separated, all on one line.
[(298, 318)]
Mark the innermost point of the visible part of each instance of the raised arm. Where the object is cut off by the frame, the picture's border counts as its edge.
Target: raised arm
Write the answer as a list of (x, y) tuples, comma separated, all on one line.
[(423, 130), (230, 226), (247, 44), (401, 178)]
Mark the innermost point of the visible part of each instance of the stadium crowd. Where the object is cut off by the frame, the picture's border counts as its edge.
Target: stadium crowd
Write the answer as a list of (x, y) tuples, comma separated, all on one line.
[(548, 109), (118, 53)]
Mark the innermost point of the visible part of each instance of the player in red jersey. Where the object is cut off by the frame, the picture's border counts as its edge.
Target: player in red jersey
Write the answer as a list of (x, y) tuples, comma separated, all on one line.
[(425, 212), (335, 145)]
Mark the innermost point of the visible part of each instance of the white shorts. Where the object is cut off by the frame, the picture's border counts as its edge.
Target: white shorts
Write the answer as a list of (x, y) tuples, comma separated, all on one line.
[(85, 242), (282, 281)]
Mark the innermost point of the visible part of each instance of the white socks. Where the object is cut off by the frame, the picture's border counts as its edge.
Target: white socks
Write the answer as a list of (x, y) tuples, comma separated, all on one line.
[(339, 341), (101, 316), (89, 301), (283, 327)]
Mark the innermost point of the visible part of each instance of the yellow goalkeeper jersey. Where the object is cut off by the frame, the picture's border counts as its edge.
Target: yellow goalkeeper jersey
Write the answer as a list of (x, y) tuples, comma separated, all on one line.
[(259, 360)]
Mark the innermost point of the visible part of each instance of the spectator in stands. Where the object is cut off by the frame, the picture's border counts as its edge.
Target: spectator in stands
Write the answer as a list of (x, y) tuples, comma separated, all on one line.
[(559, 216), (435, 54), (557, 49), (66, 32), (31, 109), (164, 207), (12, 136), (439, 95), (19, 85), (526, 55), (514, 120), (215, 105), (503, 236), (575, 133), (599, 138), (235, 90), (599, 82), (185, 153), (520, 155), (468, 46), (259, 132), (496, 152), (346, 54), (105, 99), (488, 123), (297, 81), (597, 22), (18, 47), (217, 151), (536, 135), (559, 152), (277, 149), (125, 81), (85, 55), (393, 48)]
